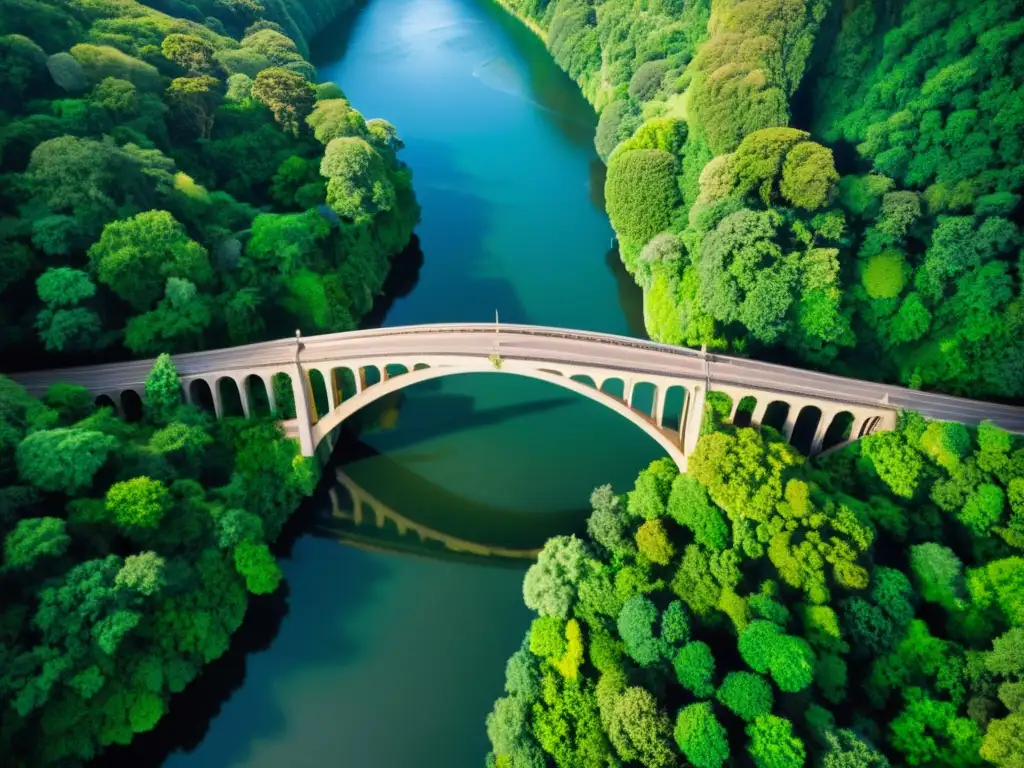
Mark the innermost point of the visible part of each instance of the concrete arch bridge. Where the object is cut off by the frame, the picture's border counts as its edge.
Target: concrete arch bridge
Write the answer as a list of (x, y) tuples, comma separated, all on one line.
[(617, 371)]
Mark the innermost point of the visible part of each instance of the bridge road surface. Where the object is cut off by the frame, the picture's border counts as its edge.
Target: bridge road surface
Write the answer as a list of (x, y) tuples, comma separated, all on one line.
[(619, 355)]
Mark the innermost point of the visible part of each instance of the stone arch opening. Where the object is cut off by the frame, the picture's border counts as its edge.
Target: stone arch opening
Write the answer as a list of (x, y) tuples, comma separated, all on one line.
[(201, 395), (131, 405), (394, 369), (775, 415), (344, 380), (256, 394), (838, 431), (420, 367), (870, 425), (230, 397), (744, 411), (805, 428), (369, 375), (644, 393), (675, 401), (615, 387), (584, 379), (318, 393), (106, 401), (284, 396)]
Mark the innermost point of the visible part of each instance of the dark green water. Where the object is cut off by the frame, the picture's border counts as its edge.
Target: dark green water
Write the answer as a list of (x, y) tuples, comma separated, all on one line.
[(377, 659)]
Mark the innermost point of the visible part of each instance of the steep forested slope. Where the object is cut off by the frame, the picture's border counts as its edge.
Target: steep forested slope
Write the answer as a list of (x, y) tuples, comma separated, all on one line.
[(835, 183), (762, 610), (169, 182)]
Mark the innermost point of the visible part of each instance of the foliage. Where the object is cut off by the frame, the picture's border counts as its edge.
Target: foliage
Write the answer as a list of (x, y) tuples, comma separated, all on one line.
[(883, 239), (119, 586), (700, 736), (139, 145), (860, 611), (746, 695)]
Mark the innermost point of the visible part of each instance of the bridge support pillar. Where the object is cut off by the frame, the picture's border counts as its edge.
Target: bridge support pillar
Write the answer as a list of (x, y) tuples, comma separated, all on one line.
[(218, 403), (303, 412), (268, 382), (791, 417), (693, 420), (658, 406), (760, 409), (819, 434), (243, 395)]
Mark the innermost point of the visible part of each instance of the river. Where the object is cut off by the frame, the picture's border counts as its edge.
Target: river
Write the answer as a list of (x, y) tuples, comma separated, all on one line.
[(371, 658)]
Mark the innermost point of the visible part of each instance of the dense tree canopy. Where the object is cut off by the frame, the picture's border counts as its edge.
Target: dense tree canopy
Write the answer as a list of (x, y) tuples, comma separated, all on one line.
[(121, 574), (139, 146), (862, 610)]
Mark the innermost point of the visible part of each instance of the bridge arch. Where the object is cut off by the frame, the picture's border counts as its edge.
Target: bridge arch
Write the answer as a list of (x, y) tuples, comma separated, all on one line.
[(668, 440)]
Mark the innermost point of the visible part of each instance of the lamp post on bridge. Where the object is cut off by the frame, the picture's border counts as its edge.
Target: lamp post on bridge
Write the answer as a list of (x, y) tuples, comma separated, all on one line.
[(495, 356)]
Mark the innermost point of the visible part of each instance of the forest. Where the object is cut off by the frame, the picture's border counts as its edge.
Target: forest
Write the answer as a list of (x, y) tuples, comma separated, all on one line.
[(174, 177), (129, 554), (830, 184), (860, 611)]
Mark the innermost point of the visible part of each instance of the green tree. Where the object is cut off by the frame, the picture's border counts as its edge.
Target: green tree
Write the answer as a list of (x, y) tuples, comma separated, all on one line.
[(163, 390), (335, 119), (143, 573), (255, 562), (636, 628), (137, 255), (71, 401), (550, 584), (654, 543), (688, 505), (640, 193), (695, 669), (64, 287), (772, 743), (22, 62), (191, 53), (639, 730), (289, 96), (884, 275), (701, 737), (848, 750), (178, 322), (358, 186), (939, 574), (746, 695), (194, 100), (138, 503), (607, 524), (33, 540), (1003, 743), (809, 176), (63, 460)]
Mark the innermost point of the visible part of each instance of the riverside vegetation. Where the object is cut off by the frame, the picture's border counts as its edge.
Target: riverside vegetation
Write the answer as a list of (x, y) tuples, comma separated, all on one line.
[(833, 183), (173, 177), (861, 611), (129, 552)]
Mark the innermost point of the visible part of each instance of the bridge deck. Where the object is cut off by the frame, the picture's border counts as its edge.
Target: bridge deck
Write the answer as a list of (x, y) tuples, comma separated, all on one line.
[(537, 344)]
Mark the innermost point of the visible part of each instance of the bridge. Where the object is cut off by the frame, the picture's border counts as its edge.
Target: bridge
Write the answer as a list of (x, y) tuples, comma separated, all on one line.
[(606, 368)]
